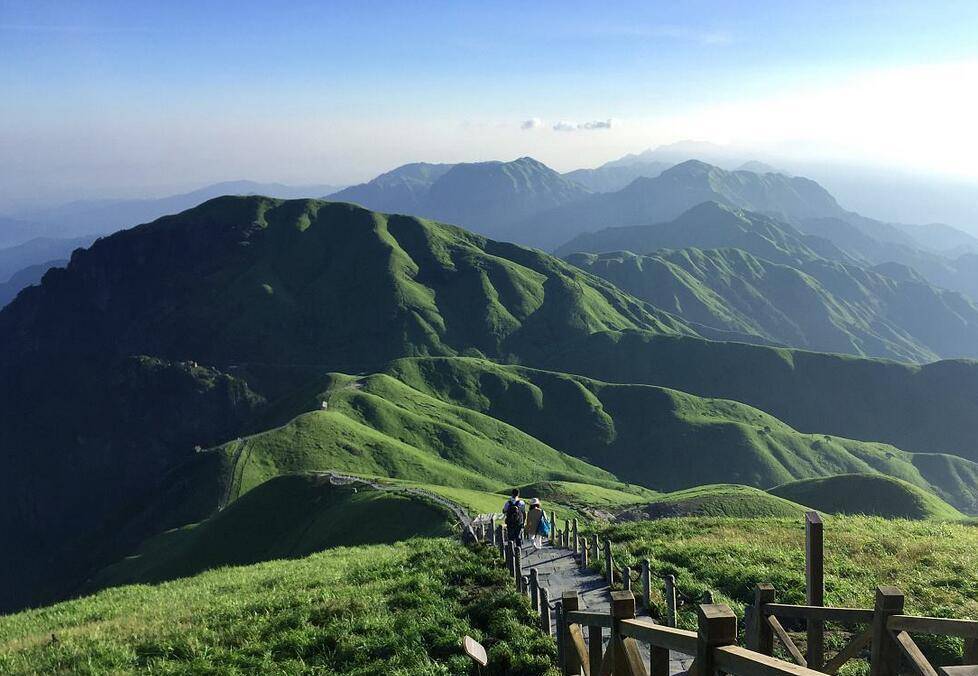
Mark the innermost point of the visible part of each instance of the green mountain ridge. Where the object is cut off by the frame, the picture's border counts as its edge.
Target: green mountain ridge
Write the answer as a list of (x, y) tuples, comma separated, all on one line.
[(815, 304)]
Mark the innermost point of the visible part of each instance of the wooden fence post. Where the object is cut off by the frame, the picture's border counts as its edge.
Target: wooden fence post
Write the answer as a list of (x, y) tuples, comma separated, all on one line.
[(626, 578), (760, 636), (622, 608), (500, 542), (595, 645), (646, 585), (716, 626), (567, 526), (492, 527), (576, 540), (609, 563), (517, 564), (534, 589), (510, 559), (814, 588), (560, 629), (545, 611), (525, 585), (670, 591), (585, 562), (884, 653), (553, 527), (970, 651), (570, 601)]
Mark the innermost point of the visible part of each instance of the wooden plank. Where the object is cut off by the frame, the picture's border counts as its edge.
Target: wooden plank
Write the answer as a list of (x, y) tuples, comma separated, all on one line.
[(933, 625), (580, 647), (856, 645), (963, 670), (743, 662), (913, 654), (633, 658), (827, 613), (815, 587), (660, 636), (786, 641), (622, 608)]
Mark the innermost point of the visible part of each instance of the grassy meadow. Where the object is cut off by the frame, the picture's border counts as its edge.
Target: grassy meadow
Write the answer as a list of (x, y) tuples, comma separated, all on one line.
[(935, 564), (377, 609)]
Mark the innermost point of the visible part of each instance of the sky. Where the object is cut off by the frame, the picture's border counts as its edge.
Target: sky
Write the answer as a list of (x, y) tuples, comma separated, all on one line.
[(125, 98)]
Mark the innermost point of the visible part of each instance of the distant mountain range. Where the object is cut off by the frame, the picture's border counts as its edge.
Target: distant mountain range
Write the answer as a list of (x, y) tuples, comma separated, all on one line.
[(485, 197), (102, 216), (28, 276), (753, 275)]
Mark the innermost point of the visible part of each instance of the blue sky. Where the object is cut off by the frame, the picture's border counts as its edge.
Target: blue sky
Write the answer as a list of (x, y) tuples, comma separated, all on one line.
[(142, 95)]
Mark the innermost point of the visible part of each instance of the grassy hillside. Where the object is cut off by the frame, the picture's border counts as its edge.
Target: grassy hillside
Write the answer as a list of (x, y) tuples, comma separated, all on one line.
[(716, 500), (286, 517), (933, 563), (928, 408), (379, 426), (662, 438), (814, 304), (867, 494), (358, 610)]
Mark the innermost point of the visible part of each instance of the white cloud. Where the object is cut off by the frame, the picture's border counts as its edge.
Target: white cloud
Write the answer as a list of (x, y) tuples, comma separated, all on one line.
[(563, 125), (532, 123)]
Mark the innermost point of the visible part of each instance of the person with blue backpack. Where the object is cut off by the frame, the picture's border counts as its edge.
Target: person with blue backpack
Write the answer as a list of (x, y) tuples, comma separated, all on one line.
[(537, 524)]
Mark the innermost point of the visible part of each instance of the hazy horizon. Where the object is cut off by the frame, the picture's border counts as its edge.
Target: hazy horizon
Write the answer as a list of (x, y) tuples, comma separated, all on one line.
[(111, 99)]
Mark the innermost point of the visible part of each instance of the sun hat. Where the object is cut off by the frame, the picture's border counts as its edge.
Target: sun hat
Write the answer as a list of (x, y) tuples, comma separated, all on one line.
[(535, 501)]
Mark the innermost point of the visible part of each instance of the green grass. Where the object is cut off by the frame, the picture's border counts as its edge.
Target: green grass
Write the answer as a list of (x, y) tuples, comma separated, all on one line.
[(934, 563), (867, 494), (364, 610), (719, 500), (286, 517)]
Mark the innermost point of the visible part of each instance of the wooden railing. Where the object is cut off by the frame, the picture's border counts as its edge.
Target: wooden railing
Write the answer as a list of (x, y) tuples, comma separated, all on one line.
[(713, 645), (884, 630)]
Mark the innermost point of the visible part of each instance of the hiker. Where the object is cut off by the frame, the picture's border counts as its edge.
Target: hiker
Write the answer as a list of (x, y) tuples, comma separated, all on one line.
[(537, 525), (514, 516)]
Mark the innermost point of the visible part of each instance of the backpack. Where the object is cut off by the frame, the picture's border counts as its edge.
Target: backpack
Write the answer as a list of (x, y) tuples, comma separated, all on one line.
[(515, 518), (543, 527)]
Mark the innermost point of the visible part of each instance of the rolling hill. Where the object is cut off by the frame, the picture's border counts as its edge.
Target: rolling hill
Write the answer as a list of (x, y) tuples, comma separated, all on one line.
[(867, 494), (720, 500), (287, 517)]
